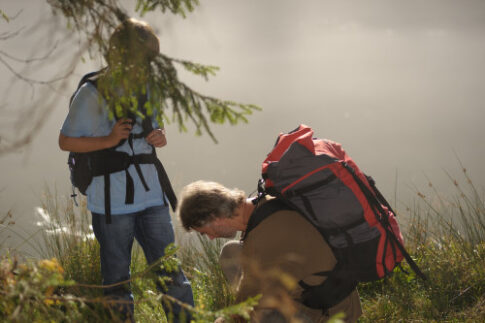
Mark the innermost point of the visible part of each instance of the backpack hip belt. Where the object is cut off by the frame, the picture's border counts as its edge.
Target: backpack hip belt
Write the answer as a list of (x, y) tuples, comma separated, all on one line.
[(106, 162)]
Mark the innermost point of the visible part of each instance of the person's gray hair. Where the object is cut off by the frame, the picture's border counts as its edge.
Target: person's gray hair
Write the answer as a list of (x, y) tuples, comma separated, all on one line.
[(203, 201)]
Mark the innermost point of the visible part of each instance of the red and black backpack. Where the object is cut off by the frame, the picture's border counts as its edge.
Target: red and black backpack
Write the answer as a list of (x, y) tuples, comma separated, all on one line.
[(319, 180)]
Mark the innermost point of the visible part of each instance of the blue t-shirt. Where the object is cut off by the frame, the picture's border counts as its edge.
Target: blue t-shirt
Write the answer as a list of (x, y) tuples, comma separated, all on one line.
[(88, 117)]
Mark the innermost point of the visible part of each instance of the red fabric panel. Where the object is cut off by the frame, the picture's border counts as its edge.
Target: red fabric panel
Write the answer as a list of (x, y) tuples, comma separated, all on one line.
[(389, 257), (303, 136), (380, 251), (329, 148)]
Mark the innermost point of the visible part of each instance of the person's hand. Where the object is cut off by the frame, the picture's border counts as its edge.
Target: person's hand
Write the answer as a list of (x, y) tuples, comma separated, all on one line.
[(157, 138), (121, 130)]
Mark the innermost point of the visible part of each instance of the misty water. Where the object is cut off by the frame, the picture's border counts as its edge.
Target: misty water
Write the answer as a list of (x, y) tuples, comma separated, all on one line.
[(400, 84)]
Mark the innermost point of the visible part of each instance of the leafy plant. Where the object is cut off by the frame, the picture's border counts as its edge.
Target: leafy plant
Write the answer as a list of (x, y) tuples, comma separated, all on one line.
[(96, 19), (446, 237), (29, 292)]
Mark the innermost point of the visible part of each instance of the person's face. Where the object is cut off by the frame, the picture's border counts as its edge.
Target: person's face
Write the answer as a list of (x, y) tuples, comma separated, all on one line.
[(217, 228)]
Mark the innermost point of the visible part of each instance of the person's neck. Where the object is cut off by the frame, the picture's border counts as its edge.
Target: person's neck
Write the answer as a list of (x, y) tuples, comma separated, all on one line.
[(247, 209), (243, 213)]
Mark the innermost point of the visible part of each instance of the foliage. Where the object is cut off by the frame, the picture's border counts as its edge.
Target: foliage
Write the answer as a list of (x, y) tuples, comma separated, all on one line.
[(175, 6), (446, 237), (96, 20), (68, 237), (29, 292), (4, 16), (451, 253), (201, 263), (90, 23), (6, 222)]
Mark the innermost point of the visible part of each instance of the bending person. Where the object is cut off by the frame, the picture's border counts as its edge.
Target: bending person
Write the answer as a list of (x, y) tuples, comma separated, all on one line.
[(273, 257)]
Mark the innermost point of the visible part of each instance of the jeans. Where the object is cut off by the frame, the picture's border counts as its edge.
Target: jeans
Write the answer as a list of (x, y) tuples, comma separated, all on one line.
[(153, 230)]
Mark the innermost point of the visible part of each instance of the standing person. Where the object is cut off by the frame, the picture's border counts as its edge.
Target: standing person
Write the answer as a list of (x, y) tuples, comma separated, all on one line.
[(284, 244), (130, 203)]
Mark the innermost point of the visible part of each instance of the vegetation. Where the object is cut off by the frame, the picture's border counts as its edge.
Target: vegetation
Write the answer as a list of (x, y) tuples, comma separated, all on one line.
[(66, 284), (444, 236), (93, 21)]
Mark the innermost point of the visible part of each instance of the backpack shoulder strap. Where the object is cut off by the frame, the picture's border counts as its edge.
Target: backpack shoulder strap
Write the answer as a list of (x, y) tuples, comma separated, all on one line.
[(338, 285), (263, 211), (91, 78)]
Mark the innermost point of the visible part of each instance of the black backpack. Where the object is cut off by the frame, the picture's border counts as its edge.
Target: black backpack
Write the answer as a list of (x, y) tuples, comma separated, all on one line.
[(84, 166), (79, 163)]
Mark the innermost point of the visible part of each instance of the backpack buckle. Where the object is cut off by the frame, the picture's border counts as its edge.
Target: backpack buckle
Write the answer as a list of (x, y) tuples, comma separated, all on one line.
[(73, 195), (261, 192)]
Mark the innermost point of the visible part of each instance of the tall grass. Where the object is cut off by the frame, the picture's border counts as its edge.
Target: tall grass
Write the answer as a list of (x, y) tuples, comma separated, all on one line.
[(446, 236), (200, 259), (67, 236), (6, 222)]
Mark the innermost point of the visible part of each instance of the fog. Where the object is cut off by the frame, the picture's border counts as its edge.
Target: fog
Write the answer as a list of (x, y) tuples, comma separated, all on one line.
[(400, 84)]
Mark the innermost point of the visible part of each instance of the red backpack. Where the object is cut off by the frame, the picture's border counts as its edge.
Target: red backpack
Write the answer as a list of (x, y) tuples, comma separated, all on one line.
[(319, 180)]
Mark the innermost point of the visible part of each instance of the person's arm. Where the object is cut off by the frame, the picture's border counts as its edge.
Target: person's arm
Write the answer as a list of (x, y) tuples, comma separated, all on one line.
[(121, 130), (157, 138)]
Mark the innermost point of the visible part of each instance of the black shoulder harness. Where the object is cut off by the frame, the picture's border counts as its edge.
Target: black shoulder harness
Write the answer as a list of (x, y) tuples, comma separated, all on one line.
[(107, 161)]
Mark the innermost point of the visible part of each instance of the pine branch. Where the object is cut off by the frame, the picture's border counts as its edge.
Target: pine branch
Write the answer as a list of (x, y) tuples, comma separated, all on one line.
[(4, 16), (96, 20)]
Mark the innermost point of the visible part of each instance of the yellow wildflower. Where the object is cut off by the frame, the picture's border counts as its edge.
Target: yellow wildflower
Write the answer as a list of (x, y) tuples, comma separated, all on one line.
[(51, 265), (48, 302)]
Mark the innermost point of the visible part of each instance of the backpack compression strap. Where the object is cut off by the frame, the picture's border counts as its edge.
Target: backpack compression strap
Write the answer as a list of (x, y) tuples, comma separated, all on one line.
[(375, 201)]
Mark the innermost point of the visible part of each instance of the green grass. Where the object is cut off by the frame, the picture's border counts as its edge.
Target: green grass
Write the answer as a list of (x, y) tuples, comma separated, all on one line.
[(445, 236), (200, 259), (67, 239)]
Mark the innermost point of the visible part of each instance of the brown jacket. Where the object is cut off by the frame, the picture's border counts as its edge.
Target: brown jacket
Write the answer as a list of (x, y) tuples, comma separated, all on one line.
[(282, 250)]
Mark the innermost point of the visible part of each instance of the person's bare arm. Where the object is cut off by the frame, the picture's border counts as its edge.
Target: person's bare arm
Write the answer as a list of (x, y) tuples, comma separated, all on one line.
[(121, 130)]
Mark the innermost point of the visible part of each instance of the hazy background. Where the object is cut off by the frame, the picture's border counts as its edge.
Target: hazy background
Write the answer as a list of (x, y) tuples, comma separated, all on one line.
[(400, 84)]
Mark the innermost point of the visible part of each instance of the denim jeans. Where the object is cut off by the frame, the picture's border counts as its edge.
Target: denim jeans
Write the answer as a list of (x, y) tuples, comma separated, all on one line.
[(153, 230)]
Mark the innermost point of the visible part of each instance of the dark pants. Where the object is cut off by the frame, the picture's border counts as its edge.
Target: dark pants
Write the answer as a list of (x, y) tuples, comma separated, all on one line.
[(153, 230)]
